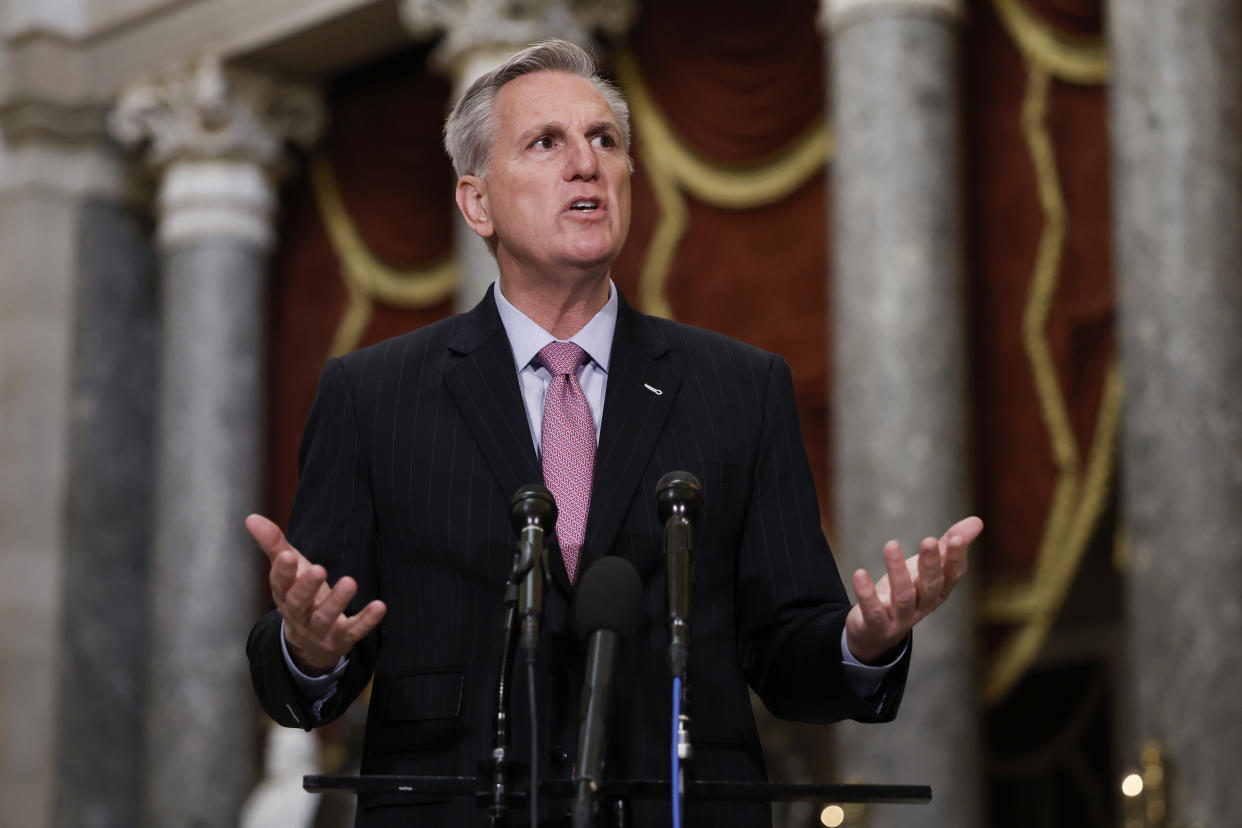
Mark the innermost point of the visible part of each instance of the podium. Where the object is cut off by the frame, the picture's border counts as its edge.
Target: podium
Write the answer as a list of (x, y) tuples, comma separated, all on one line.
[(612, 791)]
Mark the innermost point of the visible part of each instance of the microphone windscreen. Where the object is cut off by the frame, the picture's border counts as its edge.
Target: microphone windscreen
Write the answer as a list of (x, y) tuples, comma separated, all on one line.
[(532, 490), (679, 491), (678, 479), (609, 596), (532, 504)]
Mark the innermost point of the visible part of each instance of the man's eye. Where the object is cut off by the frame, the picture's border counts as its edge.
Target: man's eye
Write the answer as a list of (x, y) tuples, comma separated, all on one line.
[(543, 142), (604, 140)]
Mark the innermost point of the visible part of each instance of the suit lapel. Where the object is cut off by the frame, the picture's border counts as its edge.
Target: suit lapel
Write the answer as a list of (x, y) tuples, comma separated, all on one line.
[(482, 380), (641, 389)]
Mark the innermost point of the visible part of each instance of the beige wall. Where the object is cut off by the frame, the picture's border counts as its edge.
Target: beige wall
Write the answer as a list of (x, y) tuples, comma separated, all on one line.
[(35, 295)]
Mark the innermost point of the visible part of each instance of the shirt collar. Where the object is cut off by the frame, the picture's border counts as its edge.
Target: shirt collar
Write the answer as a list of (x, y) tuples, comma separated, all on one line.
[(526, 338)]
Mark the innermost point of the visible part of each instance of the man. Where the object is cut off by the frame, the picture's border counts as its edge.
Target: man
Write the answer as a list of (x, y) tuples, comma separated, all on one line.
[(400, 542)]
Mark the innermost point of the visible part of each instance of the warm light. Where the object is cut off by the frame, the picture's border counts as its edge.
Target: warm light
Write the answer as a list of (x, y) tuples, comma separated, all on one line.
[(832, 816), (1132, 785)]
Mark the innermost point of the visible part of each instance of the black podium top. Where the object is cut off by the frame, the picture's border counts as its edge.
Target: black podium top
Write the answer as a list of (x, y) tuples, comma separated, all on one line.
[(628, 789)]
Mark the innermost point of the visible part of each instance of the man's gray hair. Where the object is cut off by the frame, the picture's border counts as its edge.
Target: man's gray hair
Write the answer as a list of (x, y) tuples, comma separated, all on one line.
[(470, 130)]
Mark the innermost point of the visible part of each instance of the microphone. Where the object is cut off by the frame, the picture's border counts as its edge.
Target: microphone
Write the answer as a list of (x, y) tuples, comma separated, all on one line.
[(679, 497), (607, 612), (532, 514)]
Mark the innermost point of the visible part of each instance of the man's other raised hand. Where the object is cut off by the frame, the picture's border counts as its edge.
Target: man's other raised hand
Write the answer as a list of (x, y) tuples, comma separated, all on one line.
[(317, 631), (911, 588)]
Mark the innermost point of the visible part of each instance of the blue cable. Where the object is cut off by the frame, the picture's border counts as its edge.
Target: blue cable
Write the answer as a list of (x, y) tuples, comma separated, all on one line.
[(676, 763)]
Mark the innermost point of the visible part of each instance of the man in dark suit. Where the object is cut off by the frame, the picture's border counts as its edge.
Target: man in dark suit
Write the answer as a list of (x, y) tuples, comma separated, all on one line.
[(400, 541)]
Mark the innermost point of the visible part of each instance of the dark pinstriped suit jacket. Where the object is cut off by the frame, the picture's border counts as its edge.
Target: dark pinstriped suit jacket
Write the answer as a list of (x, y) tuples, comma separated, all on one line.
[(412, 451)]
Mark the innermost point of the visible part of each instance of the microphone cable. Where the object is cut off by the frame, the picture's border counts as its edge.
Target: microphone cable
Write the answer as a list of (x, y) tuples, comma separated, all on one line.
[(500, 735), (678, 784), (519, 572)]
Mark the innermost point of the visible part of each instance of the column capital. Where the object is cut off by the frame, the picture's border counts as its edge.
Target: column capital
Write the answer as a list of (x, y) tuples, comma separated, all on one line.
[(836, 13), (201, 110), (216, 137), (492, 26)]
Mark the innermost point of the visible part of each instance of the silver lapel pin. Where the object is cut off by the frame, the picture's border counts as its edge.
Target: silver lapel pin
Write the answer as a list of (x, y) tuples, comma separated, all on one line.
[(653, 389)]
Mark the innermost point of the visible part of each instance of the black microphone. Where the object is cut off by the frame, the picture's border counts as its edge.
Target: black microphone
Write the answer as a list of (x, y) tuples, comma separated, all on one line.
[(608, 609), (679, 497), (533, 514)]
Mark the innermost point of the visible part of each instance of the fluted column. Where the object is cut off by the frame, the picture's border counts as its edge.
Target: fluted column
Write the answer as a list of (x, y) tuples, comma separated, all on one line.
[(216, 139), (1176, 108), (901, 466), (478, 36)]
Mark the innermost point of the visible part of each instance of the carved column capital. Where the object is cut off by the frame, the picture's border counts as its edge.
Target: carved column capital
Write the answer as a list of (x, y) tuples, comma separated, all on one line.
[(217, 137), (202, 110), (490, 26)]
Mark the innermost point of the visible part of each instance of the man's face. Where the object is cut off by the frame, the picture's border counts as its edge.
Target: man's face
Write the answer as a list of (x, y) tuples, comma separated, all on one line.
[(557, 189)]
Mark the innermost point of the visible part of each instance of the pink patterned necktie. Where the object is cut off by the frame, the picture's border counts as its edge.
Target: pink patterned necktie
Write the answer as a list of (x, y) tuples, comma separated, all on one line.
[(568, 446)]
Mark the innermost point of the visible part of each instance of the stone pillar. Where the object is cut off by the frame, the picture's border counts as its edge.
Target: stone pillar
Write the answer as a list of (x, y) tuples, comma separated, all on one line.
[(216, 139), (104, 587), (478, 36), (1176, 108), (901, 466)]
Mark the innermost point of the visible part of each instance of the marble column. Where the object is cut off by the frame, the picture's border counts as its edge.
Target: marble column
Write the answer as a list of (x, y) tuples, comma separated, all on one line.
[(104, 595), (478, 36), (216, 139), (901, 464), (1176, 108)]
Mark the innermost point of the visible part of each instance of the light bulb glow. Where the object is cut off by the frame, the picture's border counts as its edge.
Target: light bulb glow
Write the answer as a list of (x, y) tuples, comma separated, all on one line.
[(832, 816)]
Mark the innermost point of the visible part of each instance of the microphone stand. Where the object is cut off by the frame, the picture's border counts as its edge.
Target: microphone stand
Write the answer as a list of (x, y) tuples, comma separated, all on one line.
[(532, 512), (679, 499), (532, 515), (497, 769)]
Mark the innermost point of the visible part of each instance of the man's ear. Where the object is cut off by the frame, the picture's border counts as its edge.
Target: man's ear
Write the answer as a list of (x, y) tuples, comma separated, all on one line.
[(472, 201)]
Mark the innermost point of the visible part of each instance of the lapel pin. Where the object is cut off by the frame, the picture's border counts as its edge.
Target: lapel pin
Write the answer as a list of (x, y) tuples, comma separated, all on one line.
[(653, 389)]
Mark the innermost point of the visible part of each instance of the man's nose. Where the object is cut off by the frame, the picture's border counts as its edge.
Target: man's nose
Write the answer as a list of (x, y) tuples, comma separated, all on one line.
[(582, 161)]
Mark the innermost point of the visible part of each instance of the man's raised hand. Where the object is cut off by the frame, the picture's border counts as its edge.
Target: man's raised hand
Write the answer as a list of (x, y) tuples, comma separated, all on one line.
[(888, 609), (317, 630)]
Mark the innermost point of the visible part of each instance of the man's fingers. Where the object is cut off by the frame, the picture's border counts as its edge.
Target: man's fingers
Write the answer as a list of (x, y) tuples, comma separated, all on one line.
[(954, 561), (953, 547), (283, 573), (873, 610), (300, 597), (328, 610), (931, 573), (268, 536), (967, 529), (904, 597), (359, 626)]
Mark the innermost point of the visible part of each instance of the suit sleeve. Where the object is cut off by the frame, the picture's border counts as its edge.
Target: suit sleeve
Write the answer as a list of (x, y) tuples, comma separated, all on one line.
[(791, 601), (333, 524)]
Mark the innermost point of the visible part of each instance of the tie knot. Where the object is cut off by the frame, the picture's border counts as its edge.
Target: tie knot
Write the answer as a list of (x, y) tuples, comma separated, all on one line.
[(561, 357)]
